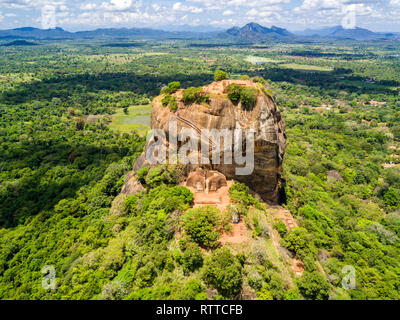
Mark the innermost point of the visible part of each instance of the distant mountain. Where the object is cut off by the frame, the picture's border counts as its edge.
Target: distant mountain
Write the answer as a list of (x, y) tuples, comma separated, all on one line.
[(35, 33), (319, 32), (340, 33), (111, 33), (122, 33), (255, 31), (251, 32), (188, 28), (353, 34)]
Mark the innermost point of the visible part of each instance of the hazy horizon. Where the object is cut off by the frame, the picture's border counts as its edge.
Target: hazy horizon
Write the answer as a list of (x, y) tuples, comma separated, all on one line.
[(295, 15), (188, 28)]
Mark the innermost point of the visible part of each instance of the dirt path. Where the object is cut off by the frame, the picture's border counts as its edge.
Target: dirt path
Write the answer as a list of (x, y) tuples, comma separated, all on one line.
[(284, 215), (391, 165), (239, 235), (194, 127)]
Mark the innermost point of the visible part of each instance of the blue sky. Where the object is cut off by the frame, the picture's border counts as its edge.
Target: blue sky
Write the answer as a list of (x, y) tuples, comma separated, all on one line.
[(73, 15)]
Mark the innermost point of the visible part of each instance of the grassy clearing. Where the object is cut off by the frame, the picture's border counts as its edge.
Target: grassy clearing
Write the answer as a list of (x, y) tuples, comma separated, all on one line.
[(137, 119), (258, 60)]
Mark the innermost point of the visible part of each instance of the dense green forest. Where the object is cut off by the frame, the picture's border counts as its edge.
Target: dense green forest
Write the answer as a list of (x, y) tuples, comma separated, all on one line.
[(62, 170)]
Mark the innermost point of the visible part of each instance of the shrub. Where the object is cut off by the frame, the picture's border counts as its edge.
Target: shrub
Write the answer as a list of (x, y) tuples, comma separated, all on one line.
[(248, 96), (165, 90), (166, 99), (276, 285), (145, 276), (142, 174), (313, 286), (268, 92), (233, 91), (255, 280), (200, 225), (274, 289), (392, 198), (170, 101), (160, 175), (174, 86), (173, 105), (292, 294), (223, 272), (259, 80), (113, 291), (220, 75), (192, 259), (384, 236), (239, 193), (281, 228), (182, 193), (260, 229), (194, 290), (192, 94), (260, 253), (164, 200), (309, 264), (171, 88), (264, 293), (300, 242)]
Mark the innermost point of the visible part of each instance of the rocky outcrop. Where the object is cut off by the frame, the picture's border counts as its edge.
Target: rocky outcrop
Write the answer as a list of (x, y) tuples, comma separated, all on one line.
[(131, 186), (206, 180), (197, 180), (220, 113)]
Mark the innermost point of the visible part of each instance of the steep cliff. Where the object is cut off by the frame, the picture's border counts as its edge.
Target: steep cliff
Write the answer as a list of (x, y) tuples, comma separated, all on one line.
[(220, 113)]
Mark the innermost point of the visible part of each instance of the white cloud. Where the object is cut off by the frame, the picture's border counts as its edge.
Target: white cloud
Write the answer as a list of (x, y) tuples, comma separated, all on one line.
[(223, 4), (121, 4), (178, 6), (88, 6), (260, 13), (29, 4), (322, 4), (228, 13), (224, 13), (116, 5)]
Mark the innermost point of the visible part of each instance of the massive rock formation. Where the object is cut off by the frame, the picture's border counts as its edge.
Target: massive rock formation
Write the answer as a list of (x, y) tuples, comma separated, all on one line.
[(220, 113)]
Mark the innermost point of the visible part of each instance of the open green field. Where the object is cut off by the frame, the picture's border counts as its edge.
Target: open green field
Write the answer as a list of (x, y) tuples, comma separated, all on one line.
[(137, 119), (259, 60), (285, 64)]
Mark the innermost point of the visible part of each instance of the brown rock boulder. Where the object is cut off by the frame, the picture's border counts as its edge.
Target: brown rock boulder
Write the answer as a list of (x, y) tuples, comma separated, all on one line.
[(220, 113), (132, 186)]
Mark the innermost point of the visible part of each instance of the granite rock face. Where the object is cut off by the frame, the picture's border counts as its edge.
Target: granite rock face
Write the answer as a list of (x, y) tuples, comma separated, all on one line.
[(220, 113), (131, 186)]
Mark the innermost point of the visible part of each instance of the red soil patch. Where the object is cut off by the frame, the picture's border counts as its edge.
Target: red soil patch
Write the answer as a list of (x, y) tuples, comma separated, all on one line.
[(238, 235), (297, 267)]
